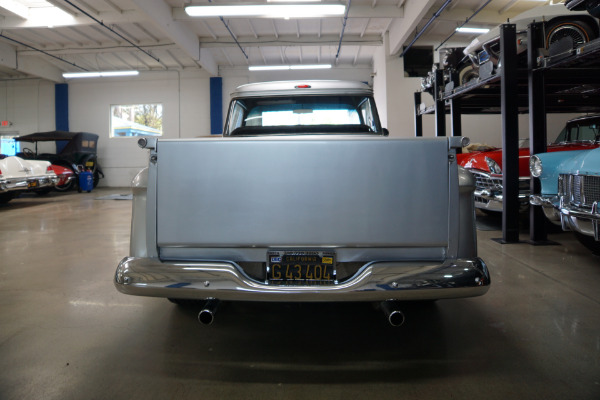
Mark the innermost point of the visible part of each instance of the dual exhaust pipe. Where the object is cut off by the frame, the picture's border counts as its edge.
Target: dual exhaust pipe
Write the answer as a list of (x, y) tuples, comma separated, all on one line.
[(206, 316), (390, 309)]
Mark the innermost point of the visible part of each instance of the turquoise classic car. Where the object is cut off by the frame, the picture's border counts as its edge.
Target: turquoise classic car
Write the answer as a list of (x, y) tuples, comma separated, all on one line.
[(570, 192)]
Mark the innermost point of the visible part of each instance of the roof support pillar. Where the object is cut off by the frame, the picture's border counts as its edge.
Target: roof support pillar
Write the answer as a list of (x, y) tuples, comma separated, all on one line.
[(418, 116), (510, 134), (537, 129), (440, 106)]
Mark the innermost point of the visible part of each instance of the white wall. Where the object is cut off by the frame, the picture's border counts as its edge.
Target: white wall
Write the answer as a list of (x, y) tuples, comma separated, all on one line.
[(186, 113), (29, 105)]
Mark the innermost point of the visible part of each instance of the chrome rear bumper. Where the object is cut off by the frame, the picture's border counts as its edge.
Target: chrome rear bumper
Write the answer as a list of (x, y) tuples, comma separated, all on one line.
[(374, 282), (15, 184)]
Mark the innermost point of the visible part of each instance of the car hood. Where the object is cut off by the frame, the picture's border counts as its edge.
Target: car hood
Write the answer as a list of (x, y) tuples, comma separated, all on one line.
[(477, 160), (583, 163)]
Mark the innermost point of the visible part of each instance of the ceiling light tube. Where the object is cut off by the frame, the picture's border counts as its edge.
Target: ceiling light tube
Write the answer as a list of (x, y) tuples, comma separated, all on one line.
[(465, 29), (287, 67), (315, 66), (99, 74), (267, 10)]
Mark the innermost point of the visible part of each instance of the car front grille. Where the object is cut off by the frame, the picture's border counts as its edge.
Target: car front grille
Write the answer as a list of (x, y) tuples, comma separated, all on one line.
[(580, 190), (485, 181)]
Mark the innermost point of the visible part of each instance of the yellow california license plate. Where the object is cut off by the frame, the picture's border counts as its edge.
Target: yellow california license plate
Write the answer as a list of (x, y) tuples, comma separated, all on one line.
[(32, 184), (301, 267)]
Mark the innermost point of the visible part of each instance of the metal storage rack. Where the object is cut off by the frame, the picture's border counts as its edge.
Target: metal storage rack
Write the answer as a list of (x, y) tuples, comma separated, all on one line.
[(566, 81)]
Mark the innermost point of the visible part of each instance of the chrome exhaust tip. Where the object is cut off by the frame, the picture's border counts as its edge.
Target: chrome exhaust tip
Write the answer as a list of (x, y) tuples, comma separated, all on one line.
[(394, 316), (206, 316)]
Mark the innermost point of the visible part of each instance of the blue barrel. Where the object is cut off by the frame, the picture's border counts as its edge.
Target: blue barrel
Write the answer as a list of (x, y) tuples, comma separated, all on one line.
[(86, 181)]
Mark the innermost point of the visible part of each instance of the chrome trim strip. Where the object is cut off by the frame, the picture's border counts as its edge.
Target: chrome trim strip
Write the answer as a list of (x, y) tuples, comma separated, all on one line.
[(375, 281)]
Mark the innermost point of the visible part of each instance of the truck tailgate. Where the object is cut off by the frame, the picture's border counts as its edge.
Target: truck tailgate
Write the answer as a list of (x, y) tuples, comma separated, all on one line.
[(367, 192)]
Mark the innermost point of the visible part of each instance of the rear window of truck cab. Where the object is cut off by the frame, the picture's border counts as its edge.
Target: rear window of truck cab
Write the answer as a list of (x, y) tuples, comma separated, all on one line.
[(302, 115)]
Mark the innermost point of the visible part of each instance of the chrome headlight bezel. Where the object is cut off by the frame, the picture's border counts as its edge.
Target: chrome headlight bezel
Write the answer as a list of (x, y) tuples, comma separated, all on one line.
[(535, 166), (493, 166)]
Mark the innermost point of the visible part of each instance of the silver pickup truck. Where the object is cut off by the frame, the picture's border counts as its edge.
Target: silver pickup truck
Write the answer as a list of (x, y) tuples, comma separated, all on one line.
[(303, 199)]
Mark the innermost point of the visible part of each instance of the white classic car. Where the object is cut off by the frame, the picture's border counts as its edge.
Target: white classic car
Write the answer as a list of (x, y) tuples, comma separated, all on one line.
[(559, 23), (18, 175)]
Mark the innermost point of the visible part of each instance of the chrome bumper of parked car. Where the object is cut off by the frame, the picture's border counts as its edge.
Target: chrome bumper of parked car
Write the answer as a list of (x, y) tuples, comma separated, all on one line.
[(489, 191), (492, 200), (572, 218), (375, 281), (7, 185)]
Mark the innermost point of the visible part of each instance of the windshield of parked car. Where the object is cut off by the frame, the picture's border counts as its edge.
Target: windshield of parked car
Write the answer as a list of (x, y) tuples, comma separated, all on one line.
[(579, 131), (302, 115)]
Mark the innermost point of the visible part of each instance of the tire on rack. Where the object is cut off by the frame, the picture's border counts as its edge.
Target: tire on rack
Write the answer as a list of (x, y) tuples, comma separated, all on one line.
[(580, 31), (466, 73), (589, 242)]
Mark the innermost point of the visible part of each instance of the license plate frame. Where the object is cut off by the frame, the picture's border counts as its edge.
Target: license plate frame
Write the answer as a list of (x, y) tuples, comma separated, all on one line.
[(301, 267)]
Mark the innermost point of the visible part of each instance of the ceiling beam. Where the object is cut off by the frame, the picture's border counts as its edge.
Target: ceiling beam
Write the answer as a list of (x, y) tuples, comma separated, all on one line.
[(35, 66), (485, 16), (403, 29), (293, 40), (160, 14)]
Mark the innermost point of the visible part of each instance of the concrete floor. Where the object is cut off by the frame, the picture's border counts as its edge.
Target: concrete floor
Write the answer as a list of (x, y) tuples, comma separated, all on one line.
[(66, 333)]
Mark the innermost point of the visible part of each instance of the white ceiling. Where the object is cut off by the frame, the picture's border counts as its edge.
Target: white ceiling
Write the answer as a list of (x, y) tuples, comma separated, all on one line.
[(167, 39)]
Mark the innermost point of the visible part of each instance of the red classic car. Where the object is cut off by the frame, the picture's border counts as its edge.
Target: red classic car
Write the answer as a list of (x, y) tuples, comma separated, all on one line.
[(65, 177), (582, 133)]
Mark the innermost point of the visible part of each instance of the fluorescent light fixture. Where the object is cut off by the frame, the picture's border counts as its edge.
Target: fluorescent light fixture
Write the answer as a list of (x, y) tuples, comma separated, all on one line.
[(49, 16), (287, 67), (267, 10), (100, 74), (315, 66), (464, 29)]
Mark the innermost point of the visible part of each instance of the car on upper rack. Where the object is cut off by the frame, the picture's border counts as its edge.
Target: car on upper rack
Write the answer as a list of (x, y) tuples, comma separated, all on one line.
[(73, 151), (570, 192), (18, 176), (579, 134), (457, 68), (591, 6), (560, 24)]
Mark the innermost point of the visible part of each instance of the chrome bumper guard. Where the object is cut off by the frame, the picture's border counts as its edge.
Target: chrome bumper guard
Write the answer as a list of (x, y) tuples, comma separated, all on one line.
[(374, 282), (492, 200), (583, 220)]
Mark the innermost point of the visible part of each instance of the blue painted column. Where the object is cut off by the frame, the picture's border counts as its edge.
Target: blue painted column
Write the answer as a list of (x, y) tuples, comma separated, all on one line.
[(216, 105), (61, 111)]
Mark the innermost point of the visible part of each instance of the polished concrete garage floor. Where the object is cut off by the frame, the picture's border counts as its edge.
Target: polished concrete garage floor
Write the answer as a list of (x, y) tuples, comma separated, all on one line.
[(66, 333)]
